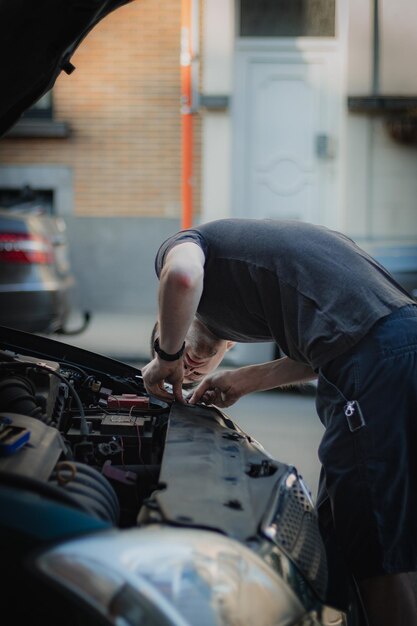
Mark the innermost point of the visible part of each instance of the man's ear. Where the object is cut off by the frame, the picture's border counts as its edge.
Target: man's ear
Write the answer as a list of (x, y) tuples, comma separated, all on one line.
[(230, 344)]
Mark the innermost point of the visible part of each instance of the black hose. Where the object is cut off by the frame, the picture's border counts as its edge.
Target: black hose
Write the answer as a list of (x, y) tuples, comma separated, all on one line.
[(17, 395), (22, 364)]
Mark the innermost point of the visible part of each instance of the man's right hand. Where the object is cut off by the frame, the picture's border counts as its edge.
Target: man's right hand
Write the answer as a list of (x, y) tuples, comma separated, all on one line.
[(222, 388), (158, 372)]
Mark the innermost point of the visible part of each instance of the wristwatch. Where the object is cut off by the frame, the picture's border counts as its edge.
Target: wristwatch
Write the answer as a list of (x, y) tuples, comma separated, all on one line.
[(164, 355)]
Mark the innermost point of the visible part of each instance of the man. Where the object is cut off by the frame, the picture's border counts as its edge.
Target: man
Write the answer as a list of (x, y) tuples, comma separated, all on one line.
[(336, 314)]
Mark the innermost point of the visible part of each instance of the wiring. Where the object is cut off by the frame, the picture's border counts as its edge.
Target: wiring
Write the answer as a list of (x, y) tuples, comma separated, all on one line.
[(47, 368)]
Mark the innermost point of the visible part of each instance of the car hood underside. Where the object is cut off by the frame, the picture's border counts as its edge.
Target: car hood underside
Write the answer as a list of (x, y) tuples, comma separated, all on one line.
[(39, 39)]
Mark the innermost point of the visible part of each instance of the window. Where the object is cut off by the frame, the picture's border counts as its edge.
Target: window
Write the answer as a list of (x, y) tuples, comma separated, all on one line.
[(33, 199), (287, 18), (42, 109), (38, 121)]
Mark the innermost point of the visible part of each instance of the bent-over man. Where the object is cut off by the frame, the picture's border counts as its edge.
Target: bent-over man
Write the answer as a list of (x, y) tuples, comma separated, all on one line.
[(337, 315)]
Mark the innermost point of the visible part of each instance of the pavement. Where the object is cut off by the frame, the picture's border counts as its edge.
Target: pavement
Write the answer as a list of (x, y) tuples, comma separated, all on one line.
[(121, 336)]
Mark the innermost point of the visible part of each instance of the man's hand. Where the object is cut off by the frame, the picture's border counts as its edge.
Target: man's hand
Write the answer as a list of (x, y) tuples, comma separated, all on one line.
[(158, 372), (222, 389)]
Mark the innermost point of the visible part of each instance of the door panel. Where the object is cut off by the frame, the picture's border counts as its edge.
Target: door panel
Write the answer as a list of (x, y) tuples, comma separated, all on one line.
[(285, 163), (284, 118)]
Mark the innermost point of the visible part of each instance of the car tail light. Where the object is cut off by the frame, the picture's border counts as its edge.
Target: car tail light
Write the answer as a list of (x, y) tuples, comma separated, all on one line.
[(25, 248)]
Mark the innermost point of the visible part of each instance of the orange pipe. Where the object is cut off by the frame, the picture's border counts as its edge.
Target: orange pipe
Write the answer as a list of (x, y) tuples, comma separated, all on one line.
[(186, 118)]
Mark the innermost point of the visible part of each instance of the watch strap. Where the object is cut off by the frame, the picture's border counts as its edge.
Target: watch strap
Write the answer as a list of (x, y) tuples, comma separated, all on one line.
[(164, 355)]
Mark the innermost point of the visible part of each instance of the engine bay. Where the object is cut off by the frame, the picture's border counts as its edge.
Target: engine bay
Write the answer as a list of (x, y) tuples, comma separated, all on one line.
[(79, 429), (96, 447)]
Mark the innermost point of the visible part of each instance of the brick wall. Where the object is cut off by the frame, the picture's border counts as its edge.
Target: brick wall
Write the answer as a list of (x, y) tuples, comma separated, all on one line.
[(123, 106)]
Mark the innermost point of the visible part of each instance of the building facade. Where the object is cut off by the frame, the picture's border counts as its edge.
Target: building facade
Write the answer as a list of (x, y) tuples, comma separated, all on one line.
[(315, 96), (305, 110)]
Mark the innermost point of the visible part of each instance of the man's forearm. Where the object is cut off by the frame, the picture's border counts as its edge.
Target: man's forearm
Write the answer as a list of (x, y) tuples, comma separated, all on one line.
[(272, 374), (224, 388)]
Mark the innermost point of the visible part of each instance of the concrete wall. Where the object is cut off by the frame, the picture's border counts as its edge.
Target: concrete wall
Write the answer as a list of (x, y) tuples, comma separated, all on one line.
[(113, 262)]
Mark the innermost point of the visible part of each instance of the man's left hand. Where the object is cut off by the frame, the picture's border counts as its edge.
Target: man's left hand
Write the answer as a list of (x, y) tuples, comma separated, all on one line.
[(158, 372)]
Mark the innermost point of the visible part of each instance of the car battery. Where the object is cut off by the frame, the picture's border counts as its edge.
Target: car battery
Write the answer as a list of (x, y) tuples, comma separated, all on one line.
[(122, 425), (127, 402)]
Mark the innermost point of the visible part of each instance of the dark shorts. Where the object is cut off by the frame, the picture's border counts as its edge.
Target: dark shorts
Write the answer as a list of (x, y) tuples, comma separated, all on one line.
[(367, 401)]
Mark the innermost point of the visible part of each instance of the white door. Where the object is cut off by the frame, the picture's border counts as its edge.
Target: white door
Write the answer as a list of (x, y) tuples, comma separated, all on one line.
[(287, 112)]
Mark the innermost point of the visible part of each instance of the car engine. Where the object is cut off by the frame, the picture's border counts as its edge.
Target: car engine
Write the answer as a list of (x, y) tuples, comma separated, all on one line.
[(96, 448), (79, 429)]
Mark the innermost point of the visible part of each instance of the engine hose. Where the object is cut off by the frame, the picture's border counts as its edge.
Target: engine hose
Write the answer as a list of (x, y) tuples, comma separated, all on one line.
[(43, 367), (90, 486), (82, 487), (92, 501), (48, 490), (90, 471), (99, 480), (93, 507), (17, 395), (54, 492)]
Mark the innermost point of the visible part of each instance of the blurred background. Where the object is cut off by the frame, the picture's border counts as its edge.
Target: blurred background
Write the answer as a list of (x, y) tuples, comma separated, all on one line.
[(300, 109)]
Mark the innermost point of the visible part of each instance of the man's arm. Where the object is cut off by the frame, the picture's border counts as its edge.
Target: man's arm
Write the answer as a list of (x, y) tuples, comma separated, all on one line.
[(224, 388), (180, 289)]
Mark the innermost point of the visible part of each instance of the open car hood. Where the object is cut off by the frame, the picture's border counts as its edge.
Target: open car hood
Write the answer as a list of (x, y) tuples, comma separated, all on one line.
[(38, 40)]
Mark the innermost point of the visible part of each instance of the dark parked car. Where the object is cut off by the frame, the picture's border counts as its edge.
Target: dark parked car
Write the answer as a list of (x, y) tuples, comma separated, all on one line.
[(38, 40), (35, 274)]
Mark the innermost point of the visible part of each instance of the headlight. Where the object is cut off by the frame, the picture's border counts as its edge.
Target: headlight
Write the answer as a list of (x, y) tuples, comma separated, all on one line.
[(160, 575)]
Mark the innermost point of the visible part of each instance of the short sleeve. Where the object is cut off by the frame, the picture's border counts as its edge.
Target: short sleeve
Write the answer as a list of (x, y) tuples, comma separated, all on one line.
[(180, 237)]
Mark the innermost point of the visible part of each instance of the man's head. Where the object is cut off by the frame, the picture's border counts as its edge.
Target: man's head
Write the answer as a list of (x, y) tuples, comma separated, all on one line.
[(203, 351)]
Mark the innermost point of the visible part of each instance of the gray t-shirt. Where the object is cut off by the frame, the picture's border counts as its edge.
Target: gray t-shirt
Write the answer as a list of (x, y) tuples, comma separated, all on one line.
[(310, 289)]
